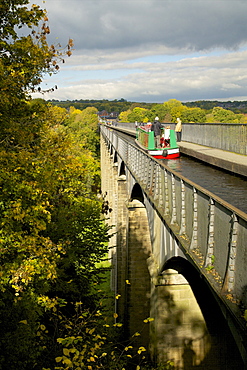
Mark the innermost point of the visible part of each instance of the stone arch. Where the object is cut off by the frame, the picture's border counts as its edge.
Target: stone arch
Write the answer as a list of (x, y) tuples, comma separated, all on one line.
[(137, 193), (111, 149), (189, 323), (134, 303), (122, 169), (115, 159)]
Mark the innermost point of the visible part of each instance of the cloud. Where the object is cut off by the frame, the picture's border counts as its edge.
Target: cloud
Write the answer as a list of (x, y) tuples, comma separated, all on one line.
[(107, 24), (150, 50)]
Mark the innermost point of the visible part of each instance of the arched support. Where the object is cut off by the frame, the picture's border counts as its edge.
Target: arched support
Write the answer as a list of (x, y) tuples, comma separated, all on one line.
[(135, 282), (187, 330)]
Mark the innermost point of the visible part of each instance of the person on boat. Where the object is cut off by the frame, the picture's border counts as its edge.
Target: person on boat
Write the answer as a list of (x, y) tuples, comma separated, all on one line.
[(156, 128), (165, 140), (178, 129)]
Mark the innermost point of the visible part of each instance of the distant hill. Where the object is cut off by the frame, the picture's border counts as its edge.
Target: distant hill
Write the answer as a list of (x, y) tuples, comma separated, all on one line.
[(235, 106), (117, 106), (122, 105)]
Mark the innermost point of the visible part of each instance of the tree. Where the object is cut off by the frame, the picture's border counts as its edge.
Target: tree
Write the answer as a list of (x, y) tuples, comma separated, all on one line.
[(159, 110), (138, 114), (23, 59), (85, 124), (175, 108), (123, 116), (52, 232), (224, 116), (193, 115), (58, 114)]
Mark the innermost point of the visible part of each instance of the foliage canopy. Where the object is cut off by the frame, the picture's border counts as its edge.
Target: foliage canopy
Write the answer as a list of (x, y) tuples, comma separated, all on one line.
[(52, 232)]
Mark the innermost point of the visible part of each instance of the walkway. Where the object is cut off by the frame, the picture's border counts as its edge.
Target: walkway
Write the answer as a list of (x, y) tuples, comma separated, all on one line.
[(229, 161)]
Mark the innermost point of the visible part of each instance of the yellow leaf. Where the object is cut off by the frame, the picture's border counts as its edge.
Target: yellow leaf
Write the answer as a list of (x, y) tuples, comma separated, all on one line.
[(149, 319), (23, 322), (127, 348), (118, 296), (136, 334), (58, 359), (67, 361), (115, 315), (66, 351), (127, 281), (141, 349)]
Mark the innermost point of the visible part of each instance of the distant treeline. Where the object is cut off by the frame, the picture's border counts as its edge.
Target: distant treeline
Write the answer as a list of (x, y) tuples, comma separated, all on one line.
[(122, 105), (234, 106), (117, 106)]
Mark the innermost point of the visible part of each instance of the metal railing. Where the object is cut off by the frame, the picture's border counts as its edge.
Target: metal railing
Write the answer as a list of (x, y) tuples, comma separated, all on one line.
[(225, 136)]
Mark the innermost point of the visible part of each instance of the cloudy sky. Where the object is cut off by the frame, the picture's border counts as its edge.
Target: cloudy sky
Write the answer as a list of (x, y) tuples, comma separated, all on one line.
[(150, 50)]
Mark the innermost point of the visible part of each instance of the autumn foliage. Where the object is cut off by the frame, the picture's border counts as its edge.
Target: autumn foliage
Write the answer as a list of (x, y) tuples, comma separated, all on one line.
[(52, 233)]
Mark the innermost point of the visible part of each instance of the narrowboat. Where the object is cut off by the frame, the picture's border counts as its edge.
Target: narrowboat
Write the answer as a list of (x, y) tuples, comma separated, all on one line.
[(168, 144)]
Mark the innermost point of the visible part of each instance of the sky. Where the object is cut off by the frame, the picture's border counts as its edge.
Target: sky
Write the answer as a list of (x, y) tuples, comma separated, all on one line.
[(149, 50)]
